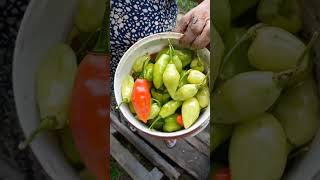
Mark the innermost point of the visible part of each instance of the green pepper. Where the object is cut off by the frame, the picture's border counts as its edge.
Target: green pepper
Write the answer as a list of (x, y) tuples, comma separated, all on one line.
[(156, 123), (169, 108), (163, 51), (190, 112), (197, 64), (285, 14), (218, 48), (69, 147), (158, 70), (186, 92), (155, 109), (196, 77), (148, 72), (185, 56), (139, 63), (171, 76), (161, 97), (183, 78), (126, 88), (238, 61), (54, 84), (221, 15), (239, 7), (170, 124), (131, 108), (177, 62), (203, 97), (219, 133)]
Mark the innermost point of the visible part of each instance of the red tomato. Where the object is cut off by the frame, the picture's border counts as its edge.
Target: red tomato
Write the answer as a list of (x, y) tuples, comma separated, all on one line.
[(222, 174), (179, 120), (89, 114)]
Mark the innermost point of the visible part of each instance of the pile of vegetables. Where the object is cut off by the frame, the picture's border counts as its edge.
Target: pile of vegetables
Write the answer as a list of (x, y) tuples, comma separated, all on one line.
[(71, 91), (265, 104), (167, 93)]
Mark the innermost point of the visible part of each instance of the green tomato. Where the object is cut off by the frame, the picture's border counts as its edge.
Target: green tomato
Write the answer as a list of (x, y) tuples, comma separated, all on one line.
[(258, 149), (285, 14), (238, 61), (298, 112), (219, 49), (89, 14), (219, 133), (221, 15), (275, 49), (245, 96)]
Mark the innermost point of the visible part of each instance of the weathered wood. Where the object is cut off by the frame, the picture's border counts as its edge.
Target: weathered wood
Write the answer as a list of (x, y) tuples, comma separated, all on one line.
[(204, 136), (145, 149), (199, 145), (128, 162), (185, 155), (155, 173)]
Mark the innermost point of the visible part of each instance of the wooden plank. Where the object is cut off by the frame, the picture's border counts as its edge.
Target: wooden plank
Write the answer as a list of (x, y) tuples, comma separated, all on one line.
[(199, 145), (112, 130), (185, 155), (155, 173), (204, 136), (145, 149), (128, 162)]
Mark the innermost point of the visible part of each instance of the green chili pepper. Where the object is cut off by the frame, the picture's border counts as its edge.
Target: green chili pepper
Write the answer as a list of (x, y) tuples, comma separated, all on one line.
[(197, 64), (186, 92), (185, 56), (183, 78), (196, 77), (131, 108), (177, 62), (203, 97), (218, 47), (190, 112), (163, 51), (239, 7), (171, 76), (170, 124), (54, 83), (219, 133), (161, 97), (148, 72), (285, 14), (158, 70), (156, 123), (139, 63), (238, 61), (69, 147), (169, 108), (126, 89), (221, 15), (155, 109)]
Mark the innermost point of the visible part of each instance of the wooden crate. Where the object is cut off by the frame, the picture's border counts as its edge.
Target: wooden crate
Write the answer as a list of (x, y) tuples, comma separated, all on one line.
[(189, 159)]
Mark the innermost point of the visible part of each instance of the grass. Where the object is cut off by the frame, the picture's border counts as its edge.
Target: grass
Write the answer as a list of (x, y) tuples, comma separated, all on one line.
[(186, 5)]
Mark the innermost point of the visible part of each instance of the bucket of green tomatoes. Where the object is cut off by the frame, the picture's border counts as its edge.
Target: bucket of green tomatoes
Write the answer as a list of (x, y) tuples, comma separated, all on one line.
[(162, 89)]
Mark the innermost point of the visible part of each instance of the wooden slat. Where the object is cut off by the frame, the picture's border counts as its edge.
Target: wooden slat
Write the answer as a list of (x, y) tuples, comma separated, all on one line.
[(204, 136), (128, 162), (200, 146), (155, 173), (145, 149), (185, 155)]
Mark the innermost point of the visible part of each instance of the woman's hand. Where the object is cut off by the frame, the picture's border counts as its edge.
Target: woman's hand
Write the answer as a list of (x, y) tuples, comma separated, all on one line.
[(195, 26)]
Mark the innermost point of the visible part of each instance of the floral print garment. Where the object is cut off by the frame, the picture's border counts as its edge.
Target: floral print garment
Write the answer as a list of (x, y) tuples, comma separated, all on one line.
[(131, 20)]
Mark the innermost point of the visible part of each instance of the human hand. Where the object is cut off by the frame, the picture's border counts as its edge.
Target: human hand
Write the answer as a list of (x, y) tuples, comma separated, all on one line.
[(195, 25)]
